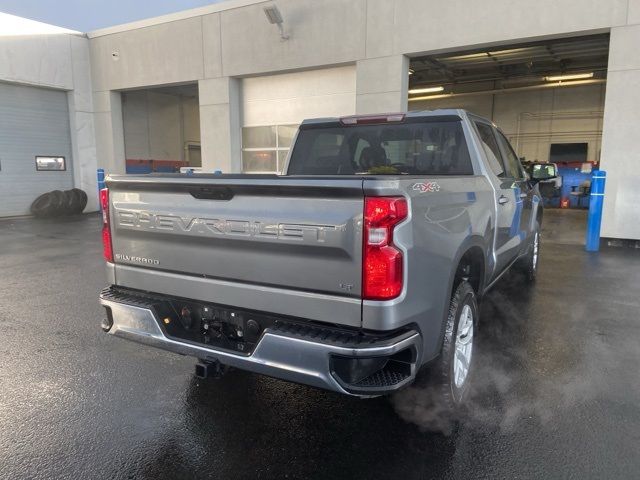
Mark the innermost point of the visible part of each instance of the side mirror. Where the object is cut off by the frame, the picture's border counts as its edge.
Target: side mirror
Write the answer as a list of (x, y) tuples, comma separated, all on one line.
[(543, 171)]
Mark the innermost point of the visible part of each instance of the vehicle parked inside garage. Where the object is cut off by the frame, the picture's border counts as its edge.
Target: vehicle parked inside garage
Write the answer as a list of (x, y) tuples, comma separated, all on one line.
[(357, 269)]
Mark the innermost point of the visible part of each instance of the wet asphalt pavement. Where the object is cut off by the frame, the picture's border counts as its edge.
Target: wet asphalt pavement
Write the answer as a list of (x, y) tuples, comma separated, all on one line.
[(557, 388)]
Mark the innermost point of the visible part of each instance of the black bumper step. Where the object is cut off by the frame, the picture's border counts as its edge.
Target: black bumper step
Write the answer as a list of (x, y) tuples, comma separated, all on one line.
[(348, 337)]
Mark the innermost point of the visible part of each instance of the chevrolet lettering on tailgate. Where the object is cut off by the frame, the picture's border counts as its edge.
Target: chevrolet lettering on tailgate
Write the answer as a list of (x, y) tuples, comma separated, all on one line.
[(217, 226)]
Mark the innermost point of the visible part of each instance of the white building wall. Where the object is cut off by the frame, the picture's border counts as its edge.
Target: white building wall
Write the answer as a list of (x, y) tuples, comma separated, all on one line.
[(620, 148), (59, 61), (220, 123), (326, 32), (81, 118), (219, 44), (289, 98), (159, 54), (109, 131), (418, 26), (232, 39), (40, 60), (382, 84)]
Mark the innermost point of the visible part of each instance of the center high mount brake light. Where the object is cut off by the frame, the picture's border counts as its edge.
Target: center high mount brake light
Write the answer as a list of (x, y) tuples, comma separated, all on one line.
[(372, 119)]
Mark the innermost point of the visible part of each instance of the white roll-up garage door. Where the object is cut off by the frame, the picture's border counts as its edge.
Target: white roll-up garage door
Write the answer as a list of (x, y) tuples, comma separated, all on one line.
[(34, 122), (274, 105)]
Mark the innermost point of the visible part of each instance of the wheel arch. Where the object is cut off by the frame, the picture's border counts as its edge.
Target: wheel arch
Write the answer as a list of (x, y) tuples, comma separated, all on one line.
[(472, 253), (470, 262)]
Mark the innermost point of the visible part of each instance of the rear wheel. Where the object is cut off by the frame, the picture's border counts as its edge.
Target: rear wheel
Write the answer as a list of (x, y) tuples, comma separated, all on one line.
[(452, 371), (434, 401)]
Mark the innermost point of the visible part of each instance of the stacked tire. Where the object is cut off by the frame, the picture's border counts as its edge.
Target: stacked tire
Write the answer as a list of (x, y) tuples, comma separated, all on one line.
[(59, 203)]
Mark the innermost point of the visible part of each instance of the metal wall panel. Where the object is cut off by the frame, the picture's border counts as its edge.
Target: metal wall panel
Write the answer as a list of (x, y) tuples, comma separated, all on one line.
[(33, 121)]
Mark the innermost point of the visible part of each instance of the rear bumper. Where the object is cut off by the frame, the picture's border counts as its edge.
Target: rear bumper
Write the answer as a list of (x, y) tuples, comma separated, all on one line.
[(298, 355)]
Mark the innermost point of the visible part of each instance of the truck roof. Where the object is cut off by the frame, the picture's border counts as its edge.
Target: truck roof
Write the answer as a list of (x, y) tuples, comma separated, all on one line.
[(411, 114)]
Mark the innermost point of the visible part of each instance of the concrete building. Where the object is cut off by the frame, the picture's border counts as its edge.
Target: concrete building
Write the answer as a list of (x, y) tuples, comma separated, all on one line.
[(46, 109), (220, 87)]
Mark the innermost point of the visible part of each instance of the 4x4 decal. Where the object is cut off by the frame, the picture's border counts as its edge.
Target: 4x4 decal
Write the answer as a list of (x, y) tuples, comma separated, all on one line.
[(426, 187)]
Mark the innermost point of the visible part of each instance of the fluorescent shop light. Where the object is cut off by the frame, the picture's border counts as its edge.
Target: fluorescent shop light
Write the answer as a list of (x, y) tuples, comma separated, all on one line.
[(574, 76), (426, 90)]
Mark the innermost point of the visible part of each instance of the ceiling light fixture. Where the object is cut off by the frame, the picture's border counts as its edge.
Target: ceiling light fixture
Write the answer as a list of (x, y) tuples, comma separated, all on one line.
[(426, 90), (573, 76), (275, 18)]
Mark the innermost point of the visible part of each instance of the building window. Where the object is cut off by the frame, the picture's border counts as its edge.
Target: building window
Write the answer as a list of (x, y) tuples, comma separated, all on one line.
[(50, 164), (265, 149)]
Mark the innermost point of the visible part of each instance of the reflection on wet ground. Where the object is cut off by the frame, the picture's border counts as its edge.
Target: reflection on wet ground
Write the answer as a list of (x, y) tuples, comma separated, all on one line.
[(565, 226), (553, 394)]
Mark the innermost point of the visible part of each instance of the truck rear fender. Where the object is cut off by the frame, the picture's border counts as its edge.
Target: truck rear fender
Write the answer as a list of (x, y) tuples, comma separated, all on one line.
[(474, 247)]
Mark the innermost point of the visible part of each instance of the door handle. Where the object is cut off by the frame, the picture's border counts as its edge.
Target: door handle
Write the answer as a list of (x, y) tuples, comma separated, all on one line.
[(502, 200)]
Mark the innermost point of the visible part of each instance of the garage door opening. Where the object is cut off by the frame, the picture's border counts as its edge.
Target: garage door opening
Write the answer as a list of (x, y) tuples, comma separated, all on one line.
[(547, 97), (161, 129)]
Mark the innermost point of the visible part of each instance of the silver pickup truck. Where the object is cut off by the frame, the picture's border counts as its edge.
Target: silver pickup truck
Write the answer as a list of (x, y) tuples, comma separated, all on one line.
[(355, 270)]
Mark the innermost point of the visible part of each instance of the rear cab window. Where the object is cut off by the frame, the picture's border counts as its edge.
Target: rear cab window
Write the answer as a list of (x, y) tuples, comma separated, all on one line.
[(421, 146)]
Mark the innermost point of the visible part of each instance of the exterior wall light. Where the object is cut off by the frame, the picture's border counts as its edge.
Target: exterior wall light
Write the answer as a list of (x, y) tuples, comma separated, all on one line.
[(275, 18)]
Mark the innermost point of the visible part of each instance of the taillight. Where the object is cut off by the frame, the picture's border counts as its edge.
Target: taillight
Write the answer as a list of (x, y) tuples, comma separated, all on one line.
[(382, 260), (106, 230)]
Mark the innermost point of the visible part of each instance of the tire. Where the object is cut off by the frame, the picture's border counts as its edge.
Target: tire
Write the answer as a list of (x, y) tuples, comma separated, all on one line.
[(76, 205), (80, 200), (69, 203), (528, 265), (43, 205), (435, 401), (449, 375), (58, 203)]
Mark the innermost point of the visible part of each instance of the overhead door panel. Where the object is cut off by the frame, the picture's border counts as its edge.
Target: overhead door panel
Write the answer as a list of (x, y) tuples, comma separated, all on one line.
[(33, 122), (274, 105)]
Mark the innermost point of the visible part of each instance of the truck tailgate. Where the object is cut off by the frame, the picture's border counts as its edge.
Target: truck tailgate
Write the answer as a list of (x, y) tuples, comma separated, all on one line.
[(298, 234)]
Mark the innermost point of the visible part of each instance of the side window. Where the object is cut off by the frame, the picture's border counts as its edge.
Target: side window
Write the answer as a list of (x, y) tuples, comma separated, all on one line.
[(512, 163), (491, 149)]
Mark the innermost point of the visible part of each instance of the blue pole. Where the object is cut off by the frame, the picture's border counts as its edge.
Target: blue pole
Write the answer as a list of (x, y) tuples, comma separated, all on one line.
[(101, 185), (594, 220)]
